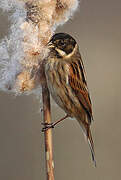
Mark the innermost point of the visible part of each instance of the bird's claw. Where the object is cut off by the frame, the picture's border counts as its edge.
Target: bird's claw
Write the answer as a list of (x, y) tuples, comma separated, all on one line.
[(47, 126)]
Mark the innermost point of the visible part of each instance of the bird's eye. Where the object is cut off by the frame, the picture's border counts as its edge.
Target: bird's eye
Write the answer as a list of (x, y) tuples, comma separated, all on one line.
[(61, 43)]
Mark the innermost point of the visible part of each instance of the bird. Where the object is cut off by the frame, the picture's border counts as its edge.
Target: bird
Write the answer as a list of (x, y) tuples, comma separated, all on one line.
[(67, 84)]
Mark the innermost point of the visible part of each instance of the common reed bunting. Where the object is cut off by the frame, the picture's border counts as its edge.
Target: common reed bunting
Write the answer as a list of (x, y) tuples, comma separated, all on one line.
[(67, 84)]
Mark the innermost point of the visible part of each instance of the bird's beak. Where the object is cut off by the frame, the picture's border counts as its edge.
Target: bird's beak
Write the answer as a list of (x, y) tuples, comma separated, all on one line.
[(50, 45)]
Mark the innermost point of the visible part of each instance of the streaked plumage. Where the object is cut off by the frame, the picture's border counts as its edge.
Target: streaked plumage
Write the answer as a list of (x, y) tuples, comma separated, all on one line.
[(66, 81)]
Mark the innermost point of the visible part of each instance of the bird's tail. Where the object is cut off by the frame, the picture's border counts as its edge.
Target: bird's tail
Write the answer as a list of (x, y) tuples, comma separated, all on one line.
[(91, 144), (87, 132)]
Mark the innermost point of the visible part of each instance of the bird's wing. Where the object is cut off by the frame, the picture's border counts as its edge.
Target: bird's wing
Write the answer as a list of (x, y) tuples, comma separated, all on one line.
[(77, 82)]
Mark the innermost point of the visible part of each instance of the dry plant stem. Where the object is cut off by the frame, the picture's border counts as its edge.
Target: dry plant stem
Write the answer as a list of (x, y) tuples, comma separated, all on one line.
[(48, 133)]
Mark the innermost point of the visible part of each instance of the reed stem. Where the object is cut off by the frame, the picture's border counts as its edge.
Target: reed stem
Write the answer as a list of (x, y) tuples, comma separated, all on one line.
[(48, 133)]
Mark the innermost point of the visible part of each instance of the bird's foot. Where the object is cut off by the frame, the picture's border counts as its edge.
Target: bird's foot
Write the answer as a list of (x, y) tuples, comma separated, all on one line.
[(52, 125), (47, 126), (41, 109)]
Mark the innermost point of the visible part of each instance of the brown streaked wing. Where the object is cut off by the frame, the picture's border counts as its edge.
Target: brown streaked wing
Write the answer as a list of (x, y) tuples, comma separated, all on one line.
[(79, 88)]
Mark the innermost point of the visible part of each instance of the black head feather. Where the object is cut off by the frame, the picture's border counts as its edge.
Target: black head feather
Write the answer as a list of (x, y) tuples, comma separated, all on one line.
[(64, 42)]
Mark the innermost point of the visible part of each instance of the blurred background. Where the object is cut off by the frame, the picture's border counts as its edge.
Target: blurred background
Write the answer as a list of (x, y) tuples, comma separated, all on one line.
[(97, 29)]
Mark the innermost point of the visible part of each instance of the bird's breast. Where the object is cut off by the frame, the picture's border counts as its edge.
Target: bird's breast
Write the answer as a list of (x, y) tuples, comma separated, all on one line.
[(58, 83)]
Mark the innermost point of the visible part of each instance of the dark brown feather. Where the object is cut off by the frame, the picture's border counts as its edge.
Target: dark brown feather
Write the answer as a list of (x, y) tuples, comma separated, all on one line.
[(80, 89)]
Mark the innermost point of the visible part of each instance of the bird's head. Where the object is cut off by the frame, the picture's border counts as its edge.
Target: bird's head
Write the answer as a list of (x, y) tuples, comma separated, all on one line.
[(62, 45)]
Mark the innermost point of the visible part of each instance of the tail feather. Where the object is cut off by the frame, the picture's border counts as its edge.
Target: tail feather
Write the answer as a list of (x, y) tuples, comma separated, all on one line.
[(91, 144), (87, 132)]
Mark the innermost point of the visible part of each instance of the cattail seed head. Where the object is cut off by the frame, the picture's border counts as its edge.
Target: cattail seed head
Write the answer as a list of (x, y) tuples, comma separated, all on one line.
[(23, 52)]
